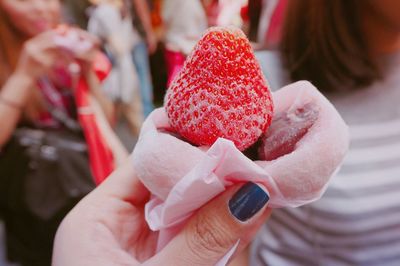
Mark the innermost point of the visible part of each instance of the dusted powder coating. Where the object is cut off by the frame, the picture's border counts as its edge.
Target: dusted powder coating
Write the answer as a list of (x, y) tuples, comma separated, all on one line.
[(220, 92)]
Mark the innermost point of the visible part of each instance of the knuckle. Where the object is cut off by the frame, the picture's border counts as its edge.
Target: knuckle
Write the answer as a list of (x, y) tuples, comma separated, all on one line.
[(35, 59), (30, 53), (29, 48), (209, 237)]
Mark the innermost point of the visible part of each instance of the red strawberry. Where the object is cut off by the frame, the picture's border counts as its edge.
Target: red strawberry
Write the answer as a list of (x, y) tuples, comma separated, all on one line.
[(220, 92)]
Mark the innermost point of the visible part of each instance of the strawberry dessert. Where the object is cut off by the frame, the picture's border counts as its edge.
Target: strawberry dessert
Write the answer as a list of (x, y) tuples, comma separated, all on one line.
[(219, 108)]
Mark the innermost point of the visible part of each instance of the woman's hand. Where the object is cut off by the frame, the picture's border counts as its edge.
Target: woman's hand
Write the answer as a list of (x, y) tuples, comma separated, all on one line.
[(151, 41), (40, 54), (108, 227), (57, 48), (87, 56)]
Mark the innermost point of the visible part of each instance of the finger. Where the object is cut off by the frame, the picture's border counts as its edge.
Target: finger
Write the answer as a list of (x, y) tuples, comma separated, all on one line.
[(62, 58), (53, 57), (44, 59), (124, 184), (215, 229), (46, 42), (89, 54), (47, 35), (77, 41), (84, 35)]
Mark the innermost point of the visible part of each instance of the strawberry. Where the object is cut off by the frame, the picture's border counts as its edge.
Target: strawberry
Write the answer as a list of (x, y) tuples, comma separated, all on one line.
[(220, 92)]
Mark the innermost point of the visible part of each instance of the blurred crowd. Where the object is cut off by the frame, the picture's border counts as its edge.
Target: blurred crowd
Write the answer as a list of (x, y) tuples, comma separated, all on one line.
[(77, 113), (78, 78), (147, 42)]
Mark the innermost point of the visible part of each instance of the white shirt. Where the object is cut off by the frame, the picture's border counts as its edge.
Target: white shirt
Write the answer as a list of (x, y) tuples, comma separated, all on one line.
[(107, 23), (185, 22)]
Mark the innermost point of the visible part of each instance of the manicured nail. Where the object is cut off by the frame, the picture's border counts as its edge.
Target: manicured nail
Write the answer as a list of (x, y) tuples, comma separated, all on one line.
[(247, 201)]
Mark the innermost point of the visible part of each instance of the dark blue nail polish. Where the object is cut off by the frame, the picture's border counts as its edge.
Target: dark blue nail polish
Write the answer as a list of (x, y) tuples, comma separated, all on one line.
[(247, 201)]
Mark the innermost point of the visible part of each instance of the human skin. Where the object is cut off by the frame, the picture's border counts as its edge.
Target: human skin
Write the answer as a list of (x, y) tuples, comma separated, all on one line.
[(35, 21), (108, 228)]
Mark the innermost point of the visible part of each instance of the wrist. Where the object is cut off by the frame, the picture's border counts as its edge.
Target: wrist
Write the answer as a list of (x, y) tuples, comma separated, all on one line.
[(10, 103), (21, 76), (17, 88)]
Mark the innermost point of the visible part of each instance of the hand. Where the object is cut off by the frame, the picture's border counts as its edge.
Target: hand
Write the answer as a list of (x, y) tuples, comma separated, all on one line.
[(40, 54), (151, 41), (43, 52), (83, 45), (108, 228), (87, 56)]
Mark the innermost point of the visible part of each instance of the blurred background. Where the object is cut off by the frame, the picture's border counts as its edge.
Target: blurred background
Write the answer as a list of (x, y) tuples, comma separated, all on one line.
[(349, 49), (145, 43), (163, 34)]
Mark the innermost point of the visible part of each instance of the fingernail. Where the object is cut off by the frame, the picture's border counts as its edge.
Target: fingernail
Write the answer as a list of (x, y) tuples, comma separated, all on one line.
[(247, 201)]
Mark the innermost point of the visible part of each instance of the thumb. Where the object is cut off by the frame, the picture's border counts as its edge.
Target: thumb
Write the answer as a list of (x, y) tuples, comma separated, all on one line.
[(216, 227)]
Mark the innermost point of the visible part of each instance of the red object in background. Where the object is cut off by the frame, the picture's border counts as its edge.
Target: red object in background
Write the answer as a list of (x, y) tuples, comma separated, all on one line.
[(244, 13), (174, 61), (156, 19), (100, 156), (273, 34)]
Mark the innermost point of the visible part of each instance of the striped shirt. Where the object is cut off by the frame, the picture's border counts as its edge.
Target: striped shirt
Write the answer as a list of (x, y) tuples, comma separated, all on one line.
[(357, 221)]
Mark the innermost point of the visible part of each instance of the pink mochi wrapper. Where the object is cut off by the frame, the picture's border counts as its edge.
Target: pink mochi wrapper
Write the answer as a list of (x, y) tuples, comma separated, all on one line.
[(183, 177)]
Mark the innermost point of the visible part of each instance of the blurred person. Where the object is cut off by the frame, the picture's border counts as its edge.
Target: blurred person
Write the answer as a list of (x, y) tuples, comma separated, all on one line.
[(254, 13), (229, 12), (155, 14), (212, 10), (55, 140), (111, 22), (146, 44), (351, 51), (108, 227), (271, 22), (143, 12), (185, 23)]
